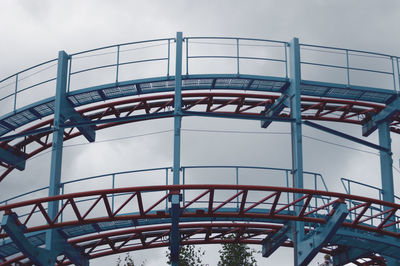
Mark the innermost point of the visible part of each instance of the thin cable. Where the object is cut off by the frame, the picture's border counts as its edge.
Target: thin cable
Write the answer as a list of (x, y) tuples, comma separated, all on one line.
[(279, 133), (101, 141), (235, 132), (340, 145)]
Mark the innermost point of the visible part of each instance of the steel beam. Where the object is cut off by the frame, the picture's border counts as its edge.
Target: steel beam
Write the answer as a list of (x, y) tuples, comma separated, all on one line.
[(344, 135), (348, 255), (313, 242), (39, 256), (88, 131), (296, 133), (60, 107), (274, 110), (11, 158), (175, 199), (371, 124), (274, 241)]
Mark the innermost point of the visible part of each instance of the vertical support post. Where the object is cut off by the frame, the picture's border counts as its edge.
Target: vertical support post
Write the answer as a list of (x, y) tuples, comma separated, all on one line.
[(386, 171), (175, 199), (297, 146), (394, 75), (386, 161), (58, 135), (286, 60)]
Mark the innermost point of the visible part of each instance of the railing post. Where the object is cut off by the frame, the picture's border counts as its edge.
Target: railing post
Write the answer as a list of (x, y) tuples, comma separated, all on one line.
[(117, 72), (393, 71), (297, 146), (15, 92), (348, 67), (187, 56), (237, 56), (58, 135), (169, 55), (237, 183), (112, 196)]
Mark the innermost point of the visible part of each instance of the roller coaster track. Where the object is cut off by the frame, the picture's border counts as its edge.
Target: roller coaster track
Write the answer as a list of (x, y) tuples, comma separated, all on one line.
[(99, 223)]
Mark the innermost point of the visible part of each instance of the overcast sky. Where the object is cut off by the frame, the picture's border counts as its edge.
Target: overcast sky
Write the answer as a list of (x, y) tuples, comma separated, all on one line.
[(34, 31)]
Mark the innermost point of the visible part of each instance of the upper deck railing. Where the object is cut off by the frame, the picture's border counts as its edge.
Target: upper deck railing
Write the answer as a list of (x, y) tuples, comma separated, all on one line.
[(201, 55)]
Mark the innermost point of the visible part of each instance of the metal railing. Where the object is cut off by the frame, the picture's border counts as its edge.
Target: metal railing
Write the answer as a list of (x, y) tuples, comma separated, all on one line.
[(317, 180), (243, 50)]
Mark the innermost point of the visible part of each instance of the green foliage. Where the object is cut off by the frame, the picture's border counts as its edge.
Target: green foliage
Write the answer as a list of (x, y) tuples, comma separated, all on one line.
[(188, 256), (128, 261), (236, 254)]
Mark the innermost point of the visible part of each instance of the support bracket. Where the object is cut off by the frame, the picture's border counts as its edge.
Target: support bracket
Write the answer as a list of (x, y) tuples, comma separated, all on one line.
[(16, 160), (274, 110), (348, 255), (88, 131), (271, 243), (311, 244), (41, 256), (371, 124)]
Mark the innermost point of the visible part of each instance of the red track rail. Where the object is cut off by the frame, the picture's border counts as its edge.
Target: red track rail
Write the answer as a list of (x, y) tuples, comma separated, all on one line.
[(218, 103), (147, 203), (254, 202)]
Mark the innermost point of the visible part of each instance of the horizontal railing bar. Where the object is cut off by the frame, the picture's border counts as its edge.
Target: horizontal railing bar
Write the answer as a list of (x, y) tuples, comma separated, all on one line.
[(38, 84), (121, 44), (116, 173), (236, 38), (23, 194), (359, 183), (344, 49), (234, 57), (344, 67), (120, 64), (27, 69)]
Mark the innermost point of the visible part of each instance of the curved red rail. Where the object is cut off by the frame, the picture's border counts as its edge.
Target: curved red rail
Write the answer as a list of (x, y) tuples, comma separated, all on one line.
[(217, 103)]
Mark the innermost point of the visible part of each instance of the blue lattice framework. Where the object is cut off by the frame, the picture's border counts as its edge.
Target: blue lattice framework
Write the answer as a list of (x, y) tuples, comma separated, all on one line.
[(312, 221)]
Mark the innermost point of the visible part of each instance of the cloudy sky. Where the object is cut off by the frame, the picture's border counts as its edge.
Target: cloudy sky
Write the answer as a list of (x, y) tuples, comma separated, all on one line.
[(34, 31)]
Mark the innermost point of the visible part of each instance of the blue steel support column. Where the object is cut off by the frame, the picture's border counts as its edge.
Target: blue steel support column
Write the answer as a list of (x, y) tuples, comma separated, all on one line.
[(175, 199), (386, 162), (56, 155), (297, 146)]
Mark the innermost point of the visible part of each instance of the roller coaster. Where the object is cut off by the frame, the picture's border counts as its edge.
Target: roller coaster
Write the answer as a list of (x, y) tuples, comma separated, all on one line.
[(221, 77)]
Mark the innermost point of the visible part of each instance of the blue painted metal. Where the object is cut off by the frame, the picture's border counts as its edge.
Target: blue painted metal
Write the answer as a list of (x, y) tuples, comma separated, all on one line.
[(273, 111), (16, 160), (274, 241), (346, 136), (38, 256), (348, 255), (386, 162), (371, 124), (313, 242), (58, 135), (297, 146), (88, 131), (175, 201)]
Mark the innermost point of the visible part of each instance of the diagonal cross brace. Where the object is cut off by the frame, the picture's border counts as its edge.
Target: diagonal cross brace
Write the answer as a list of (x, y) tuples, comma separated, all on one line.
[(313, 242), (370, 125), (88, 131), (274, 241), (41, 256), (274, 110)]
